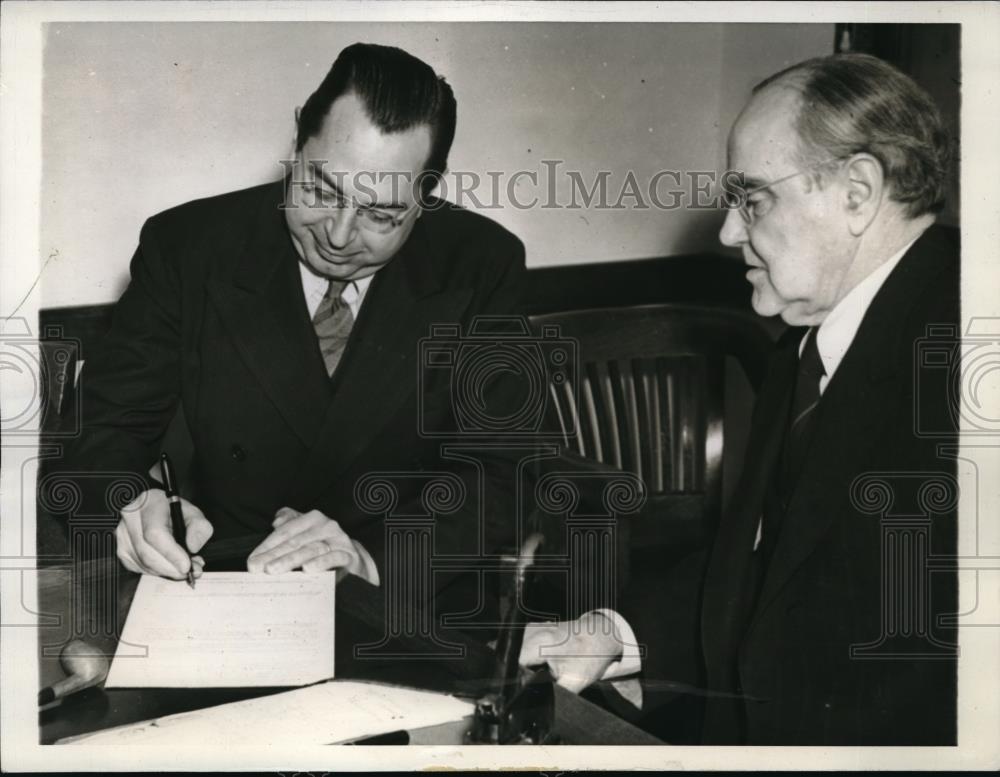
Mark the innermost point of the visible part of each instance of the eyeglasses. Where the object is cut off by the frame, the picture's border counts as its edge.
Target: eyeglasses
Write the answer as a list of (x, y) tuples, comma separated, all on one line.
[(740, 199), (323, 196)]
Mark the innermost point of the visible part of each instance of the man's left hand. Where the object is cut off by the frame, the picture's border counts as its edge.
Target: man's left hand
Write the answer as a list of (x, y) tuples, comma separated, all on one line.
[(310, 541)]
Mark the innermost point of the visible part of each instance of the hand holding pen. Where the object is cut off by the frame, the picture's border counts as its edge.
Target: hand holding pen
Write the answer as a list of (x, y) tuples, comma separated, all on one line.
[(176, 513), (152, 541)]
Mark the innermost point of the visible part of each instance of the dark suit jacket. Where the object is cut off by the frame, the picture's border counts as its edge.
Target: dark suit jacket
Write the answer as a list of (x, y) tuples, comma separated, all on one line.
[(214, 318), (779, 666)]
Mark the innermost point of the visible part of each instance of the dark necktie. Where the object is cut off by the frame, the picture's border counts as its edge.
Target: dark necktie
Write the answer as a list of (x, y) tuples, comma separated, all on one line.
[(803, 413), (333, 321), (801, 422)]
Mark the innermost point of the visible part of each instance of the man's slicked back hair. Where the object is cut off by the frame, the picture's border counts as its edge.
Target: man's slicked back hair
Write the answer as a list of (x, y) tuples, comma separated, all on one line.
[(857, 103), (399, 92)]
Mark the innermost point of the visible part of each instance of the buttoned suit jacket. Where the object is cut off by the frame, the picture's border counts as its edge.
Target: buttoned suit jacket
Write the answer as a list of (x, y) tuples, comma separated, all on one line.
[(778, 665), (214, 320)]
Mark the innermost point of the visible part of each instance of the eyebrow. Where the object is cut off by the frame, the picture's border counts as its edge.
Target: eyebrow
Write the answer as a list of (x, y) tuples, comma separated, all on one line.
[(332, 183)]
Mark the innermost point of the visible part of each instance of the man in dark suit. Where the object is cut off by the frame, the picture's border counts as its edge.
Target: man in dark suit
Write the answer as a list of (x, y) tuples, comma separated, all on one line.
[(821, 621), (285, 320)]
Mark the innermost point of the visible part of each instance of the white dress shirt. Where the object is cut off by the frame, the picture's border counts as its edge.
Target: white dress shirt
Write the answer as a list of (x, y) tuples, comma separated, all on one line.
[(315, 286), (841, 324)]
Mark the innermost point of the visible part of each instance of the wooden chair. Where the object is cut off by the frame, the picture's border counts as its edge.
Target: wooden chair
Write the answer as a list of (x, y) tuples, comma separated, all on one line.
[(650, 399), (58, 360), (68, 336)]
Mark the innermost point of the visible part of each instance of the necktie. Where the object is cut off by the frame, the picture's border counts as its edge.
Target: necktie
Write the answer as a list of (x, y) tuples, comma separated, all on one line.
[(801, 422), (333, 321), (803, 414)]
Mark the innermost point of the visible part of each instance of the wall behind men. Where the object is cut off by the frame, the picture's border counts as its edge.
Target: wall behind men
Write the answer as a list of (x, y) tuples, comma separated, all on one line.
[(142, 116)]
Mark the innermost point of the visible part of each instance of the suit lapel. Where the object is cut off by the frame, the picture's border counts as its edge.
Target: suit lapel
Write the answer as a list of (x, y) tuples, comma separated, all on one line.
[(726, 595), (829, 462), (379, 369), (868, 369), (264, 311)]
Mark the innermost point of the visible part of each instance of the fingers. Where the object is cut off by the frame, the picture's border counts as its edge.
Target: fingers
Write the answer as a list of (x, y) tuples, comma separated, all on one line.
[(577, 654), (126, 553), (283, 516), (145, 540), (329, 558), (313, 557), (580, 677), (148, 546), (160, 545), (317, 553), (289, 530), (536, 637), (199, 530), (310, 541)]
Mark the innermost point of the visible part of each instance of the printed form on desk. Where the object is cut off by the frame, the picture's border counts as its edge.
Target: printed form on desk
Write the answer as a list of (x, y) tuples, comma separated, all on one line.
[(323, 714), (233, 629)]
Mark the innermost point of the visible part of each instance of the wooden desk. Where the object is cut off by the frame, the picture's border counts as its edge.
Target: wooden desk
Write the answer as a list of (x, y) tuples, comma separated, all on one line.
[(91, 600)]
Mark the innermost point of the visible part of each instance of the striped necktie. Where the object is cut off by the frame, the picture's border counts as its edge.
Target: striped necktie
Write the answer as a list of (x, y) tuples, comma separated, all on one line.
[(333, 321), (801, 422), (803, 413)]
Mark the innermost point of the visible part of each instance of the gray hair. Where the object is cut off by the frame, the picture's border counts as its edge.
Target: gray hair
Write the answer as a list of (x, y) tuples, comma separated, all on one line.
[(856, 103)]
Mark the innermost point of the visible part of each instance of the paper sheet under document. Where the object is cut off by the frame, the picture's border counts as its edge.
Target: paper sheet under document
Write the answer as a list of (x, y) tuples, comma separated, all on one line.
[(234, 629), (321, 714)]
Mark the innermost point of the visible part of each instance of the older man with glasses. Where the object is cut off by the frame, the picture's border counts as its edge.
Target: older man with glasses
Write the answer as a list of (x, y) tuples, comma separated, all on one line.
[(826, 604)]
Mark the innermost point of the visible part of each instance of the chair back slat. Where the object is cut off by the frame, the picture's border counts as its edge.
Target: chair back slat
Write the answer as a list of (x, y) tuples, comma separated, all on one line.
[(617, 412), (657, 415), (643, 443), (650, 393)]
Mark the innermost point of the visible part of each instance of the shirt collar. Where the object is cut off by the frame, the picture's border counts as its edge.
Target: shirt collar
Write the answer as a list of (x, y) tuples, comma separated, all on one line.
[(838, 329), (315, 286)]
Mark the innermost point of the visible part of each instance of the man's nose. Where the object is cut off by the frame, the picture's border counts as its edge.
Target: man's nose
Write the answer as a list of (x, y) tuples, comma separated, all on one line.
[(340, 226), (734, 229)]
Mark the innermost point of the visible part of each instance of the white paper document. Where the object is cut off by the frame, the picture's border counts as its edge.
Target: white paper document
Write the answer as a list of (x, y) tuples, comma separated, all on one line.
[(234, 629), (321, 714)]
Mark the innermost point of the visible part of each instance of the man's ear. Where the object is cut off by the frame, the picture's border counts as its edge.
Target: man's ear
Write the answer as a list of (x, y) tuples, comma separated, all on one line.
[(865, 187), (295, 134)]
